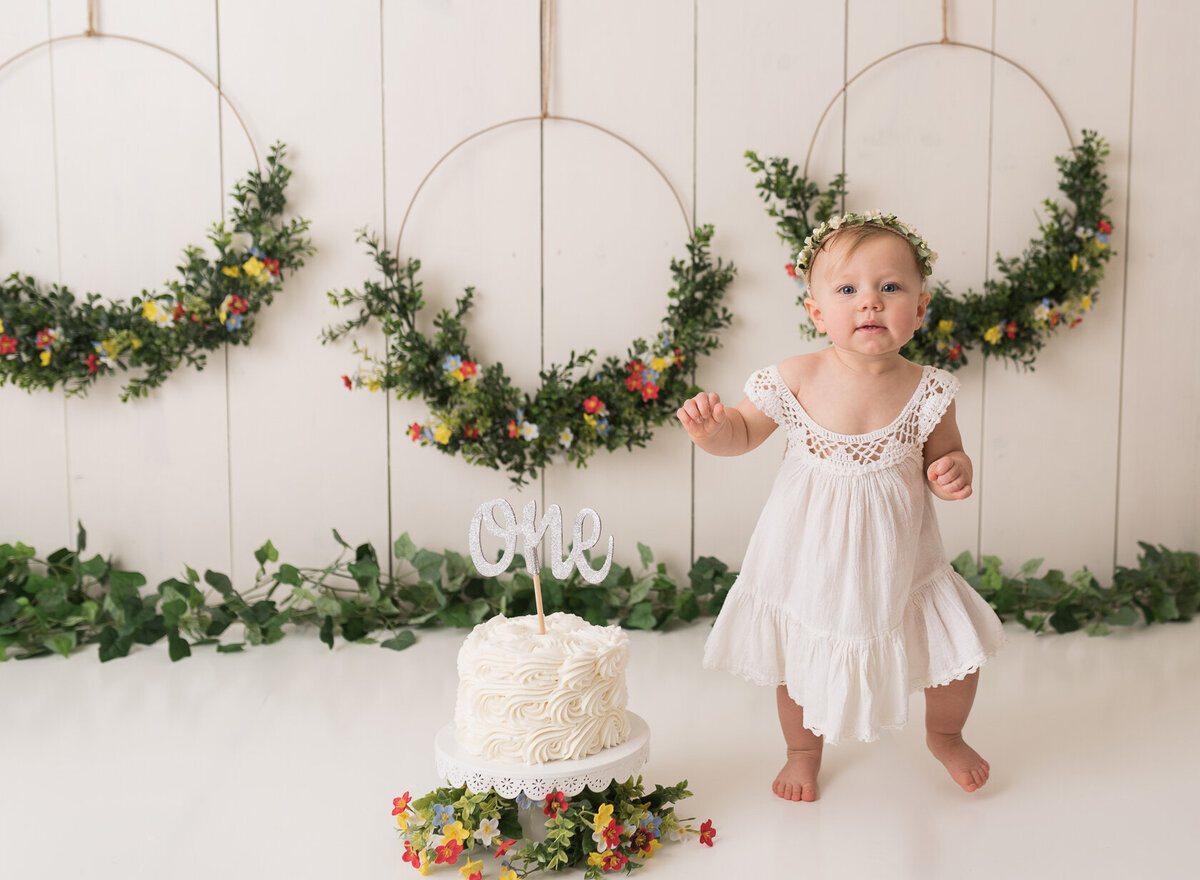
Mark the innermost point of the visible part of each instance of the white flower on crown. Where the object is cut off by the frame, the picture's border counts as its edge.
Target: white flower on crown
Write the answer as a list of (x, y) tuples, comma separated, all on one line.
[(932, 258), (835, 223), (874, 214)]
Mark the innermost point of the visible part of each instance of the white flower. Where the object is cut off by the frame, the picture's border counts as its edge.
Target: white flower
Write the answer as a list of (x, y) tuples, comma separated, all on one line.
[(565, 437), (488, 829), (677, 834), (835, 223), (529, 430), (874, 214), (601, 843), (932, 257)]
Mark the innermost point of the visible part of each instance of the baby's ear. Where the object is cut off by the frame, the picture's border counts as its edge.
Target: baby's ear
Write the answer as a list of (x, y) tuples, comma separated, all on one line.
[(814, 312)]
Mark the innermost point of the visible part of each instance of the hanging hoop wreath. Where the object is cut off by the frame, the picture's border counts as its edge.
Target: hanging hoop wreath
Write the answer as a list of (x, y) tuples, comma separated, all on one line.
[(48, 337), (1055, 281), (581, 407)]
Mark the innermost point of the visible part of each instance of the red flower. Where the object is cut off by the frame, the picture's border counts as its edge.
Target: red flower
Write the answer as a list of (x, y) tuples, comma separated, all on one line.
[(1011, 330), (346, 379), (45, 338), (503, 848), (93, 362), (955, 352), (400, 804), (414, 431), (470, 432), (707, 832), (179, 311), (650, 391), (1104, 226), (512, 428), (1075, 323), (593, 404), (635, 366), (411, 855), (449, 853), (613, 861), (791, 270), (272, 265), (678, 358), (640, 840), (468, 368), (633, 382), (7, 344), (237, 305), (555, 803), (1055, 317), (612, 834)]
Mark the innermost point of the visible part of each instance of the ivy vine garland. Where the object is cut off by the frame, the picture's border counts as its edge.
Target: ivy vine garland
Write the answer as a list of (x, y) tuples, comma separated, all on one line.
[(1054, 282), (48, 338), (477, 412)]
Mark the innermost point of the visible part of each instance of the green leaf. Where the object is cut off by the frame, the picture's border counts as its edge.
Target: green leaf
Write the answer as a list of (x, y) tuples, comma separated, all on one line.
[(327, 632), (646, 554), (1122, 617), (405, 639), (328, 607), (288, 574), (218, 582), (232, 648), (63, 643), (177, 646), (1029, 569), (80, 538), (1165, 608), (964, 563), (687, 608), (404, 548), (428, 565), (266, 552), (126, 579), (641, 616), (339, 539), (1097, 629), (641, 590)]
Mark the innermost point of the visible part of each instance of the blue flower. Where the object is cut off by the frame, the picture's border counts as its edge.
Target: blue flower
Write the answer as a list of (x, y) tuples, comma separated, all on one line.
[(1102, 237), (233, 322), (665, 339), (427, 434), (654, 824), (652, 375), (451, 363), (602, 427), (442, 815), (523, 802), (257, 252)]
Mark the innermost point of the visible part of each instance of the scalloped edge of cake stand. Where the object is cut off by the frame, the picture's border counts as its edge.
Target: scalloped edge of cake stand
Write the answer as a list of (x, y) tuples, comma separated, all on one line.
[(596, 772)]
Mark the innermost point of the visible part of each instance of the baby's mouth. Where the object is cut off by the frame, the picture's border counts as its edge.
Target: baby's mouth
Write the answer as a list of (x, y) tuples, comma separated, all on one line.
[(870, 327)]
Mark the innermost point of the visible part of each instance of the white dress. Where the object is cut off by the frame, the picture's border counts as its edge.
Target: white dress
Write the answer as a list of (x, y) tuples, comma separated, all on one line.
[(845, 594)]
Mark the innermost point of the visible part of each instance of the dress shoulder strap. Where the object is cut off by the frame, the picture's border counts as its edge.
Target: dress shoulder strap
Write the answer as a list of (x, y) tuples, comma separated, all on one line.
[(765, 389), (937, 393)]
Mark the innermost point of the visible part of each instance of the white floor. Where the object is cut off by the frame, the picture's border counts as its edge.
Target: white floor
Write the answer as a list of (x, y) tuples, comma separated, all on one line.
[(282, 763)]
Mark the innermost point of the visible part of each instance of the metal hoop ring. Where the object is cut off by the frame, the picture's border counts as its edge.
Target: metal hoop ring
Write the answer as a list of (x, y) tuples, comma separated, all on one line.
[(878, 61), (484, 131)]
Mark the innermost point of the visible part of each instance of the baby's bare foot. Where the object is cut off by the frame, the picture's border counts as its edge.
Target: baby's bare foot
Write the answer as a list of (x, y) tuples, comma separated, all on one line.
[(797, 781), (963, 763)]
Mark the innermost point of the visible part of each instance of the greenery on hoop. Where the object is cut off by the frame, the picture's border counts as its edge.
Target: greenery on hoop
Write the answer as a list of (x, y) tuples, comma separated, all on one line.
[(599, 831), (477, 412), (1055, 281), (48, 338), (65, 601)]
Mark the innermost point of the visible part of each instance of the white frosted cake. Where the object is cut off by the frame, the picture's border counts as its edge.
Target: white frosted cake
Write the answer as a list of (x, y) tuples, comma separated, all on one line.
[(532, 698)]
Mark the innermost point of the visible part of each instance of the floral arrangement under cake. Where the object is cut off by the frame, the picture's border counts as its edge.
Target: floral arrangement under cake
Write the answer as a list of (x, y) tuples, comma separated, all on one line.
[(532, 698)]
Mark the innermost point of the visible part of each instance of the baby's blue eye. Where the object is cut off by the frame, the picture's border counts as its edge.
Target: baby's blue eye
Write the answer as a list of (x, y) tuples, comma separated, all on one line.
[(889, 288), (847, 289)]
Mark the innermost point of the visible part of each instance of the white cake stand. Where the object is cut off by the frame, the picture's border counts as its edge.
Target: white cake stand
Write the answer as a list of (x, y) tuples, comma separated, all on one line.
[(596, 772)]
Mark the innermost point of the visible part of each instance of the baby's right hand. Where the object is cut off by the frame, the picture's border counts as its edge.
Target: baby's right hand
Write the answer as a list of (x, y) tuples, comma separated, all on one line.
[(703, 415)]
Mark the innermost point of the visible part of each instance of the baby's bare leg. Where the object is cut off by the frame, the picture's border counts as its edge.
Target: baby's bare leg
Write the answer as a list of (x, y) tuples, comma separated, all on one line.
[(946, 711), (797, 781)]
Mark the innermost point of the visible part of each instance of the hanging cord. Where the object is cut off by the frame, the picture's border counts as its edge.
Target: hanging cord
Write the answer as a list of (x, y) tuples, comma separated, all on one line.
[(547, 33)]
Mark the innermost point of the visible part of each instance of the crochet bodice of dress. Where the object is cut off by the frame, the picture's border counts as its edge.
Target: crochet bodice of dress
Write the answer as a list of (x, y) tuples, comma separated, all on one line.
[(878, 449)]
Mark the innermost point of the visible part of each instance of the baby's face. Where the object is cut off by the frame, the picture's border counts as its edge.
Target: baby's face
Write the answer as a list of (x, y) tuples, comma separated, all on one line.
[(869, 301)]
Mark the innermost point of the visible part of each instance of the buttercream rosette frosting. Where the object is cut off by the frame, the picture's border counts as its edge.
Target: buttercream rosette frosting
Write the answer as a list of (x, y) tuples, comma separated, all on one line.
[(532, 698)]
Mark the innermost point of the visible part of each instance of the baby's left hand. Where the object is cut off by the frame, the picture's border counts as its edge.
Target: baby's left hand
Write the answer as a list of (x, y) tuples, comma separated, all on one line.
[(950, 477)]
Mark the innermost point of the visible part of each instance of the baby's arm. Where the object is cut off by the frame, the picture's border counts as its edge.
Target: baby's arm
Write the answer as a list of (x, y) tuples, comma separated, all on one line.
[(946, 465), (717, 429)]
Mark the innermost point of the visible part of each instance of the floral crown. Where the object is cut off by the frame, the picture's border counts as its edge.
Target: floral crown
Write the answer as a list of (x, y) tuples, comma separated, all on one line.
[(925, 257)]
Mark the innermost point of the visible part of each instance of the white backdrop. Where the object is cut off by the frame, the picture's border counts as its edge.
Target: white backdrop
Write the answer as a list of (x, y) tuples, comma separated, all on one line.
[(114, 157)]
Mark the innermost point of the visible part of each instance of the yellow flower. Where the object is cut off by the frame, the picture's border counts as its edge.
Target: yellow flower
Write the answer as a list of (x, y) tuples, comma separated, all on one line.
[(945, 326), (112, 348), (649, 850), (150, 311), (253, 266), (45, 358), (136, 343), (231, 271), (603, 816), (590, 419), (402, 820), (471, 867), (441, 434), (508, 874), (373, 384), (423, 868), (1074, 262), (595, 858), (457, 373), (659, 364), (455, 830), (1, 326), (992, 334), (1086, 303)]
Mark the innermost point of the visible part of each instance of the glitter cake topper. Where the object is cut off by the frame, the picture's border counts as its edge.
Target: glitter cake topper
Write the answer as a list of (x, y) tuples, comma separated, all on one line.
[(531, 530)]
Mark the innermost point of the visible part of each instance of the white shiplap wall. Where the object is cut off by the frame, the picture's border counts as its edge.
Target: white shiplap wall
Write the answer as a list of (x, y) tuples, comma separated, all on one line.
[(115, 157)]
